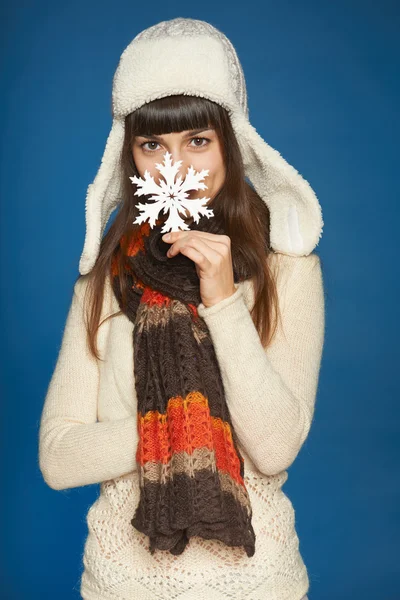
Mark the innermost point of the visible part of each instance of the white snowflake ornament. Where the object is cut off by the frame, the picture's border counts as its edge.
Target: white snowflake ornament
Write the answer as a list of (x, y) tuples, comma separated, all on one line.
[(170, 195)]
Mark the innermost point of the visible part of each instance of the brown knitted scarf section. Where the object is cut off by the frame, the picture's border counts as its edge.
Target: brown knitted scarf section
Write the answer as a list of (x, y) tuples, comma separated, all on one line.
[(190, 468)]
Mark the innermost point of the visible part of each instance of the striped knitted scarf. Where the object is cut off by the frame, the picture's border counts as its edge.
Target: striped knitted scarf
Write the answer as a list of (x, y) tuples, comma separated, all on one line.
[(190, 468)]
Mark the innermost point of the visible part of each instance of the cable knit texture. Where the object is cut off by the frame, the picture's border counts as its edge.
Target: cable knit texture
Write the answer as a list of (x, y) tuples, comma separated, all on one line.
[(88, 435), (191, 470)]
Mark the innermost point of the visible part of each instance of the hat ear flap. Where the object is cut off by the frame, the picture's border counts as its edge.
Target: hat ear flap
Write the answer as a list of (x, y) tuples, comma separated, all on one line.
[(103, 195), (296, 216)]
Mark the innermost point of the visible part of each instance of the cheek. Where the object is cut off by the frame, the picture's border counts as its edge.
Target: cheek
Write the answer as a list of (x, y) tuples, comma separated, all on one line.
[(143, 163), (218, 164), (218, 173), (216, 168), (137, 160)]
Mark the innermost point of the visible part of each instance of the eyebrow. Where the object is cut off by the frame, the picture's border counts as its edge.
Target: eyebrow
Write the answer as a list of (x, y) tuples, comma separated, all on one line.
[(187, 135)]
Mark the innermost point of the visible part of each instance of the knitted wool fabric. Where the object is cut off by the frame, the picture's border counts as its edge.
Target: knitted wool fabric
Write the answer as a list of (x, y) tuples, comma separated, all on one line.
[(190, 469)]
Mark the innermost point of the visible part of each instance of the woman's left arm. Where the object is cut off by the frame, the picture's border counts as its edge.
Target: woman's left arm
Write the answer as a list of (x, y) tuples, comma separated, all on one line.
[(271, 392)]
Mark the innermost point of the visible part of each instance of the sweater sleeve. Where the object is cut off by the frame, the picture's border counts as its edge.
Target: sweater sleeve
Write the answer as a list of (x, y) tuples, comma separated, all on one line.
[(271, 392), (74, 448)]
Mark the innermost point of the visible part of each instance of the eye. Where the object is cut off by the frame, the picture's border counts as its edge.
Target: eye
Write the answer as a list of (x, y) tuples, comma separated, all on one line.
[(201, 138), (148, 149)]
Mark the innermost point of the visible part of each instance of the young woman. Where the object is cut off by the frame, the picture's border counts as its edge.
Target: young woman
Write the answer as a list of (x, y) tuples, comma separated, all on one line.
[(187, 377)]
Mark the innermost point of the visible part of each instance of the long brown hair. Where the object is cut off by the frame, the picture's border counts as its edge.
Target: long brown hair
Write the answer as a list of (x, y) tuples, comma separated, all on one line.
[(244, 215)]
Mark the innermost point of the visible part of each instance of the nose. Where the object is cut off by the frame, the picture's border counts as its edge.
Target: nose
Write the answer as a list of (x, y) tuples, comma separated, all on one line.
[(176, 156)]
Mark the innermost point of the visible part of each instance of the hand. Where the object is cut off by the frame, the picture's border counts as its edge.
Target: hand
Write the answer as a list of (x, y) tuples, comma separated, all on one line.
[(211, 254)]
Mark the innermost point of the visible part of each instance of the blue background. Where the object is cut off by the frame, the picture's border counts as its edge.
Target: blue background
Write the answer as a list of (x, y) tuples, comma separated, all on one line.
[(323, 83)]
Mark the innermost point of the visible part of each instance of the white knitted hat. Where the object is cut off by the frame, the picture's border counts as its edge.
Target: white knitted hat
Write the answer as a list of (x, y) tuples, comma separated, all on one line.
[(192, 57)]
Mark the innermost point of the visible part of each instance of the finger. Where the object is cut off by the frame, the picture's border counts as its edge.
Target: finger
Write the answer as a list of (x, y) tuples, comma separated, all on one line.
[(213, 254), (196, 256), (175, 235), (221, 248)]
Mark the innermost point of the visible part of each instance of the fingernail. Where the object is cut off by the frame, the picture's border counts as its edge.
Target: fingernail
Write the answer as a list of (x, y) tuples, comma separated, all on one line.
[(166, 236)]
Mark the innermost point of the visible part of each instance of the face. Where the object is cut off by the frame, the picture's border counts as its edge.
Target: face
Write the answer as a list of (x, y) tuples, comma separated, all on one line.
[(198, 148)]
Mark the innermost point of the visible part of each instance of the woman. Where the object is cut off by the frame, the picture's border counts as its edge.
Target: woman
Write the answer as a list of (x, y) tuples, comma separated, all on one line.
[(187, 377)]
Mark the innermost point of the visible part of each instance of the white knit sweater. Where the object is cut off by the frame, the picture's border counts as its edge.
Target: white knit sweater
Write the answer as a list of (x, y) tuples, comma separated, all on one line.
[(88, 435)]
